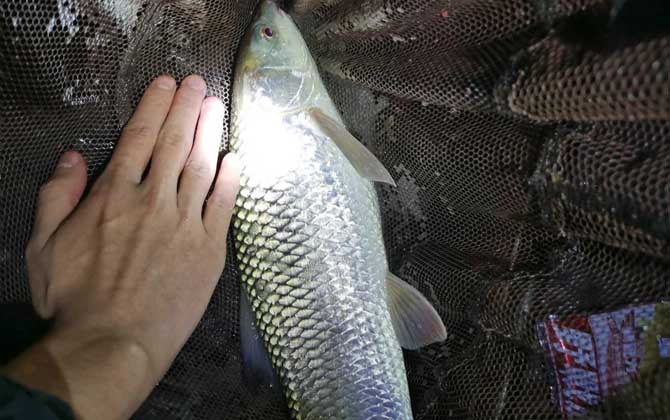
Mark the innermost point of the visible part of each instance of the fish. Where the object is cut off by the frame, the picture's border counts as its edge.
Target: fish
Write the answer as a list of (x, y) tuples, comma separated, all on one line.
[(321, 316)]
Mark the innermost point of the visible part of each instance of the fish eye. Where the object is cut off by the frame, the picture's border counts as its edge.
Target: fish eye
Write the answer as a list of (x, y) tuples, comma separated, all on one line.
[(267, 32)]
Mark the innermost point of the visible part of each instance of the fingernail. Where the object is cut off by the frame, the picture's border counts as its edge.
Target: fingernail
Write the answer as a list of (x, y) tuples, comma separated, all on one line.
[(165, 82), (68, 160), (195, 83)]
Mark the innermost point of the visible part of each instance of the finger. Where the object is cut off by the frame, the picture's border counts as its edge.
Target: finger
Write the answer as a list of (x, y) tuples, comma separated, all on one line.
[(176, 137), (58, 197), (134, 149), (200, 168), (220, 205)]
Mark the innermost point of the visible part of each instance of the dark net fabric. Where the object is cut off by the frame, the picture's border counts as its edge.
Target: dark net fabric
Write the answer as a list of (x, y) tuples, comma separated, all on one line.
[(530, 141)]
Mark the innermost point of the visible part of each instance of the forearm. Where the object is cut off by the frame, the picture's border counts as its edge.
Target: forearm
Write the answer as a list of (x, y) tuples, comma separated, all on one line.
[(101, 378)]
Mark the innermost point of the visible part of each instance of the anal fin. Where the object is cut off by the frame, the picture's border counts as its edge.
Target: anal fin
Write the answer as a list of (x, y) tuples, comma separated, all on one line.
[(415, 321)]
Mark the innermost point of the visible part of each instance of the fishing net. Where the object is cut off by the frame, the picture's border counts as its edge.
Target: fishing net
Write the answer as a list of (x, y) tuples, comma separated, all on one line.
[(530, 141)]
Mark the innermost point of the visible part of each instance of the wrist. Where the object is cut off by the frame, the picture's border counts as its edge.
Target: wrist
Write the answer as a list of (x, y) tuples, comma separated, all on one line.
[(99, 376)]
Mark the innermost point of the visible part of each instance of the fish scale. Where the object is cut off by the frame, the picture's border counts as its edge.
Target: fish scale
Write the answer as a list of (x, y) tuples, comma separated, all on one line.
[(329, 290), (308, 240)]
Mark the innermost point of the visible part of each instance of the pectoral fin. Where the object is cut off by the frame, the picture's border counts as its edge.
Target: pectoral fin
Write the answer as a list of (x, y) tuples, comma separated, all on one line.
[(415, 321), (367, 165), (256, 364)]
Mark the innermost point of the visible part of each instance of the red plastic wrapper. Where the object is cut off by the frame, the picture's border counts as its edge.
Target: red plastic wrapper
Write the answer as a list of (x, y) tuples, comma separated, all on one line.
[(592, 356)]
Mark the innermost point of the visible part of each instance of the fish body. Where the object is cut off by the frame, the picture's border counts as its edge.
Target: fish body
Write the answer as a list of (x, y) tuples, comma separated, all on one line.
[(308, 237)]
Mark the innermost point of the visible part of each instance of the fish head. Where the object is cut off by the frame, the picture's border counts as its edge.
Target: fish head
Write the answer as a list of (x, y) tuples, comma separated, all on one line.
[(275, 69)]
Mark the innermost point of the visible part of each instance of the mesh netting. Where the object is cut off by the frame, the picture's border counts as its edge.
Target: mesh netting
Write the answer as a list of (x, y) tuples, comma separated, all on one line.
[(530, 141)]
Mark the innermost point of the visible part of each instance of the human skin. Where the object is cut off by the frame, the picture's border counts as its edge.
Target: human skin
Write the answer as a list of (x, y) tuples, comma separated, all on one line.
[(126, 272)]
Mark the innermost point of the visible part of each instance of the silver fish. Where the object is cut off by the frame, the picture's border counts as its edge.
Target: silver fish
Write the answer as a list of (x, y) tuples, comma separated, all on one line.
[(309, 242)]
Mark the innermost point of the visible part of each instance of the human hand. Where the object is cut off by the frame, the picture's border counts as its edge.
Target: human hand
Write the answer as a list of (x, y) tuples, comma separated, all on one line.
[(127, 273)]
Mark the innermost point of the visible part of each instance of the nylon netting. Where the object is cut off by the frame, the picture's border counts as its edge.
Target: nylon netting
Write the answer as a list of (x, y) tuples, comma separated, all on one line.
[(530, 141)]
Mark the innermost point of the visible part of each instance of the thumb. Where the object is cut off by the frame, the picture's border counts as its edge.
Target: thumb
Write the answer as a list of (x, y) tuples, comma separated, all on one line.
[(58, 197)]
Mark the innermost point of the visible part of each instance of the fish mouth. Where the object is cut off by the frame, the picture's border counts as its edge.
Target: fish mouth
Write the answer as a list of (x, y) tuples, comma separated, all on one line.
[(267, 8)]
